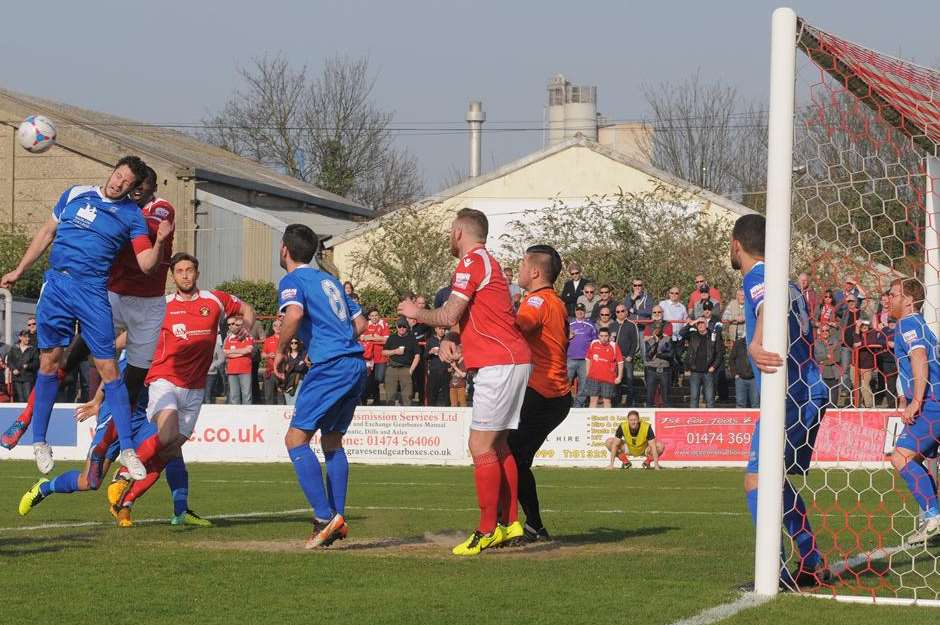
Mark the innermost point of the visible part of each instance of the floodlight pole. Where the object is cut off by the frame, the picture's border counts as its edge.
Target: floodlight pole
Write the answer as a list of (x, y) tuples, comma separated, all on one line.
[(931, 308), (776, 301)]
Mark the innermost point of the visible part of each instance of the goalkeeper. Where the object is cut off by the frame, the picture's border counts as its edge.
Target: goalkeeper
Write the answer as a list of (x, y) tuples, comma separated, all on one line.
[(806, 397), (915, 347)]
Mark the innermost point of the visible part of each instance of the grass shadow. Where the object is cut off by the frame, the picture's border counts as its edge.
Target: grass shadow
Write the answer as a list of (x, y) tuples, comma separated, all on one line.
[(26, 546)]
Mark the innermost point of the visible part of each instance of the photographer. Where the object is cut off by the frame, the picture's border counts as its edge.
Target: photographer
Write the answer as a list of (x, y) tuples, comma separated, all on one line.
[(657, 362), (703, 356)]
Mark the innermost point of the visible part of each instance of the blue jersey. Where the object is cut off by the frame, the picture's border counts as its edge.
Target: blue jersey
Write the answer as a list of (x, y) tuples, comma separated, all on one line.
[(803, 378), (326, 328), (913, 333), (92, 230)]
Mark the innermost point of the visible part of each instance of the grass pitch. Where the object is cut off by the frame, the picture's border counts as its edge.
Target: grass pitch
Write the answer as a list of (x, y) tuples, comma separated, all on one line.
[(632, 546)]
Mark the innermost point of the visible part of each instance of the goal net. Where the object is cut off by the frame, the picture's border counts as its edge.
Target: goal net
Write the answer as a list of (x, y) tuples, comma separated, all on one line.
[(863, 209)]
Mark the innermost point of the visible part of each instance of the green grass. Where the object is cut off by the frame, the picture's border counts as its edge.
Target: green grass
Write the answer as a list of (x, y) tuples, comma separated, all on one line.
[(633, 546)]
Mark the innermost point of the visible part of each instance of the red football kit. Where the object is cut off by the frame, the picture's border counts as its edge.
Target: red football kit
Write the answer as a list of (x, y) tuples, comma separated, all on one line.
[(187, 338), (126, 277), (238, 364), (604, 359), (488, 332), (372, 350)]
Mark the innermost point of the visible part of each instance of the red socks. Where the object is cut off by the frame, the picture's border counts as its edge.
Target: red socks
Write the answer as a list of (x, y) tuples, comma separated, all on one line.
[(148, 449), (488, 475), (622, 457), (509, 486)]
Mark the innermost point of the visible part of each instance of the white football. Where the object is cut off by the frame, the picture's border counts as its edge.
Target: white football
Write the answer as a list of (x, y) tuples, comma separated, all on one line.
[(36, 134)]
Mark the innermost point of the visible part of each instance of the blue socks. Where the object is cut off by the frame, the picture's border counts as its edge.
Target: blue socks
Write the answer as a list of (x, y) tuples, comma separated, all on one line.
[(177, 478), (751, 496), (337, 478), (47, 386), (116, 395), (922, 487), (64, 483), (795, 523), (307, 468)]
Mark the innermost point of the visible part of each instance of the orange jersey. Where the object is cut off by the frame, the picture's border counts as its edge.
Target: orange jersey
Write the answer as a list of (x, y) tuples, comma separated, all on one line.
[(543, 320)]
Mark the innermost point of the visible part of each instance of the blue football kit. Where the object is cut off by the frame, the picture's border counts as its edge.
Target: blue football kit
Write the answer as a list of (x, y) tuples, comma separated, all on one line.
[(913, 333)]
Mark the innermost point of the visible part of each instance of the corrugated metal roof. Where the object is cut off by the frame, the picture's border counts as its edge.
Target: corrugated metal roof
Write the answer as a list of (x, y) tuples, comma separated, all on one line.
[(180, 149)]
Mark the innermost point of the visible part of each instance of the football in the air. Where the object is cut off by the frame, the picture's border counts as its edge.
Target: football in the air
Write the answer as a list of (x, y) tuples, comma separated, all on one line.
[(36, 134)]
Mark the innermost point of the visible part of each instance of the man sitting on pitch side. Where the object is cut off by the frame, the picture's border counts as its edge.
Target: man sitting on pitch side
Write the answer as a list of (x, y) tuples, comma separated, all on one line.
[(916, 349), (177, 377), (635, 438)]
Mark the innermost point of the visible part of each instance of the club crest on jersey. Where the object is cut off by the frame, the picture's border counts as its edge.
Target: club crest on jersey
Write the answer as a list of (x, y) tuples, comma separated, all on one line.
[(85, 215), (179, 331), (162, 213), (467, 262), (461, 280), (203, 311), (910, 336)]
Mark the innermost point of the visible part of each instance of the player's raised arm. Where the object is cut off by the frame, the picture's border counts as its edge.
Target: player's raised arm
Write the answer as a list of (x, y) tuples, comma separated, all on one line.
[(764, 360), (247, 313), (41, 241), (444, 317), (149, 256)]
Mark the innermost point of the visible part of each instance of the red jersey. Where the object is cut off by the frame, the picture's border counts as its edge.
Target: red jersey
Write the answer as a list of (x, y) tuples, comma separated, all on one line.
[(237, 364), (603, 359), (488, 332), (270, 347), (372, 350), (187, 337), (126, 276)]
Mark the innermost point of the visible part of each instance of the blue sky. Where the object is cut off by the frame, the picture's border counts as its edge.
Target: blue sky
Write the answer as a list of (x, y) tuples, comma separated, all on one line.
[(173, 62)]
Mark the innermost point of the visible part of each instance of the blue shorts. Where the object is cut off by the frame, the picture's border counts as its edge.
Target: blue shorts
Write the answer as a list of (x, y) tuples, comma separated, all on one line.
[(923, 436), (63, 301), (141, 430), (802, 426), (329, 395)]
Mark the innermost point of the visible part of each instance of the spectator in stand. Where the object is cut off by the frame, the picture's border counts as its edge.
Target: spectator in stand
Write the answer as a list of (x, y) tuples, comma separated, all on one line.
[(23, 363), (732, 319), (604, 321), (704, 354), (443, 293), (880, 320), (826, 353), (421, 332), (216, 374), (808, 292), (296, 366), (869, 343), (515, 291), (638, 302), (702, 291), (31, 328), (828, 312), (588, 300), (657, 362), (604, 298), (438, 371), (458, 384), (627, 337), (572, 289), (257, 333), (349, 288), (604, 369), (674, 310), (581, 333), (373, 340), (402, 351), (888, 366), (746, 394), (849, 328), (849, 289), (272, 394), (238, 349)]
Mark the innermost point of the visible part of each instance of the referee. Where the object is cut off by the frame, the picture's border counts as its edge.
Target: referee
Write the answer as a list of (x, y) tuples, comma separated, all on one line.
[(543, 320)]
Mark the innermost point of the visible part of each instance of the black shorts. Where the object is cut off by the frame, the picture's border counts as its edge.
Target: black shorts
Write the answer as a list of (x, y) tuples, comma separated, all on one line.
[(538, 417)]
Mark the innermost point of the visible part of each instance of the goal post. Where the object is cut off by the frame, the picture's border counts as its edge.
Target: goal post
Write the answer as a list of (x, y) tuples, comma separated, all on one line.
[(776, 301), (853, 203)]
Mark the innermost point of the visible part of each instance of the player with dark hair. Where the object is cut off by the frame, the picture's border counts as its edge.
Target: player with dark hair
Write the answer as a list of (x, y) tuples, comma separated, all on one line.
[(806, 397), (493, 346), (176, 381), (87, 230), (543, 320), (317, 309), (916, 349)]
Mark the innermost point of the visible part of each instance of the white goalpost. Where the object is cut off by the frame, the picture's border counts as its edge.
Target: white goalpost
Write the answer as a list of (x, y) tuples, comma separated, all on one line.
[(853, 201)]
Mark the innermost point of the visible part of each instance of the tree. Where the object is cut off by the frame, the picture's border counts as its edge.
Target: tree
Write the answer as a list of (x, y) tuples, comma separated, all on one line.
[(410, 251), (663, 236), (325, 130), (13, 244), (262, 295), (705, 134)]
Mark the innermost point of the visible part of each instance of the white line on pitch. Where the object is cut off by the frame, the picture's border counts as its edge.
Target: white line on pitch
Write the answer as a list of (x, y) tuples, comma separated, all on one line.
[(725, 610)]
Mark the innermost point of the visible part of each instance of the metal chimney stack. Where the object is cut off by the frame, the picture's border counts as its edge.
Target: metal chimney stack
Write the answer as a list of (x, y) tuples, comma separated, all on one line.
[(475, 117)]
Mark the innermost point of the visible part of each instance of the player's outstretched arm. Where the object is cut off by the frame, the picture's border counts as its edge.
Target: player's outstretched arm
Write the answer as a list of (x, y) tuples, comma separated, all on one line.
[(149, 258), (444, 317), (37, 246), (764, 360)]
